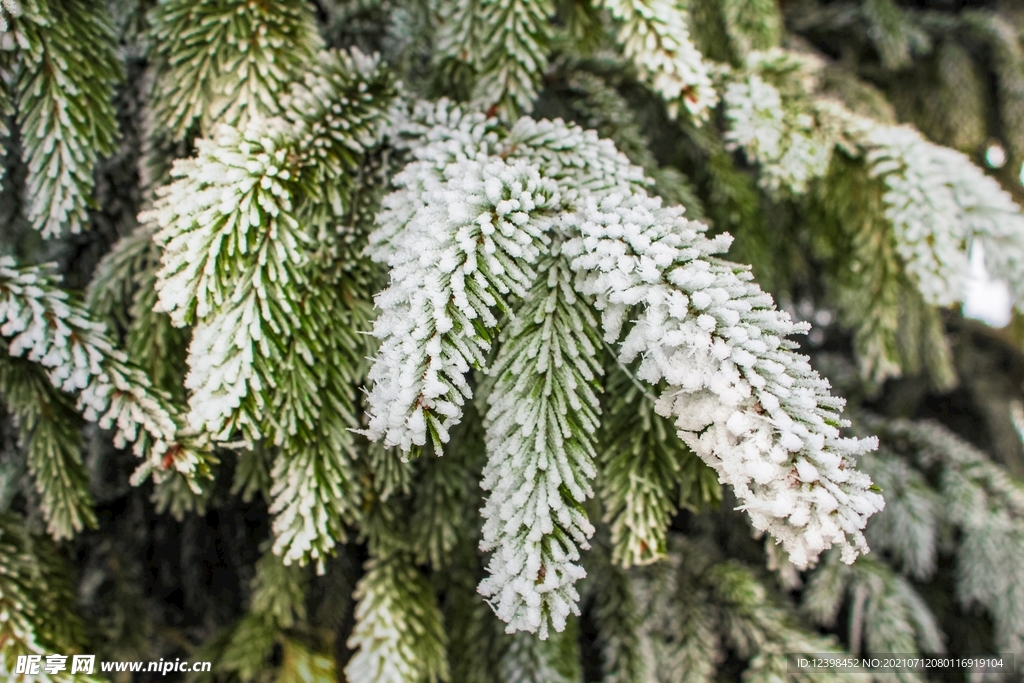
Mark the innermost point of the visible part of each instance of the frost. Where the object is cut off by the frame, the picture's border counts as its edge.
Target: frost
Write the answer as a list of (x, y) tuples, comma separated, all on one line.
[(44, 326), (247, 259), (940, 204), (461, 238), (230, 202), (791, 143), (540, 434), (655, 35), (398, 636), (477, 215), (768, 427)]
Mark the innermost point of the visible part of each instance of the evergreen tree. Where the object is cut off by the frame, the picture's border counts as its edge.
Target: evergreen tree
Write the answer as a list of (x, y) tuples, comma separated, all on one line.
[(509, 341)]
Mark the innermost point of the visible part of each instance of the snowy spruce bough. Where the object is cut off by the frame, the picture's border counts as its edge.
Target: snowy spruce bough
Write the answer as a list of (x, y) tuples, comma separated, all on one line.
[(510, 321)]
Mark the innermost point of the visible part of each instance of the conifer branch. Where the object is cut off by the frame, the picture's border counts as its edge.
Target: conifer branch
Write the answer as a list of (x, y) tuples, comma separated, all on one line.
[(928, 208), (236, 239), (529, 659), (698, 604), (512, 262), (44, 326), (909, 527), (752, 25), (49, 431), (741, 388), (472, 230), (232, 203), (513, 55), (250, 255), (277, 602), (442, 497), (581, 162), (983, 502), (895, 617), (66, 71), (655, 36), (606, 111), (37, 600), (869, 273), (459, 50), (741, 398), (225, 61), (399, 635), (790, 140), (938, 203), (541, 427), (646, 474), (122, 294)]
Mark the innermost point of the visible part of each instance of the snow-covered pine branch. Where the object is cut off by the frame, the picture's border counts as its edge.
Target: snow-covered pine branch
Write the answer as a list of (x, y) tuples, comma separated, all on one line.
[(474, 213), (699, 607), (513, 54), (655, 35), (430, 136), (458, 50), (645, 472), (742, 399), (235, 242), (49, 431), (398, 636), (247, 233), (37, 599), (64, 69), (939, 204), (528, 659), (541, 429), (974, 496), (218, 61), (460, 235), (790, 141), (887, 612), (232, 246), (42, 324)]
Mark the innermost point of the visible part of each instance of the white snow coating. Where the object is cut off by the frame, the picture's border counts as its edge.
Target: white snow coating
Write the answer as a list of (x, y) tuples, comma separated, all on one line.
[(565, 202), (230, 205), (940, 204), (790, 148), (740, 396), (655, 35), (540, 447), (986, 298), (43, 326), (471, 232), (397, 636)]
